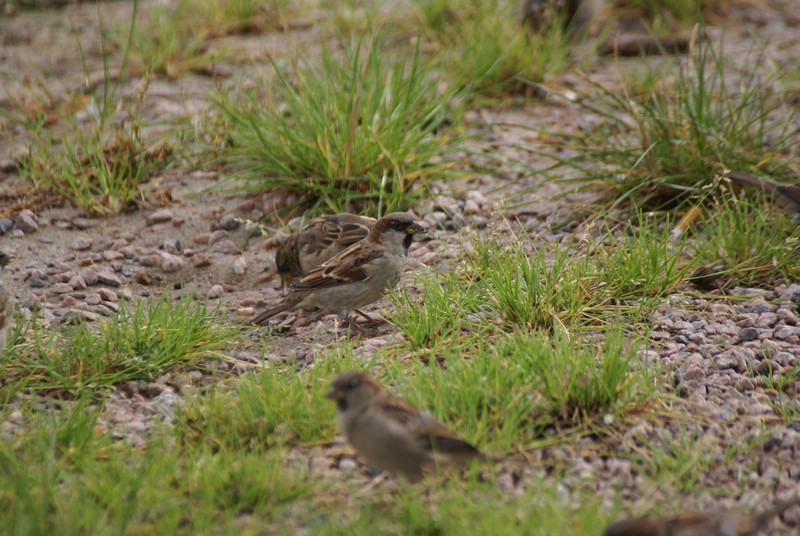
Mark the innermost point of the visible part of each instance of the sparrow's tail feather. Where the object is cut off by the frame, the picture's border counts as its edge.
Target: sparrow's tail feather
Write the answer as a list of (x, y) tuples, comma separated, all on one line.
[(269, 313), (763, 518)]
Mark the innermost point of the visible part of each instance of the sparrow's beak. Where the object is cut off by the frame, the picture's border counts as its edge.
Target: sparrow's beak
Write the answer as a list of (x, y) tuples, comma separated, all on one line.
[(334, 394), (415, 228)]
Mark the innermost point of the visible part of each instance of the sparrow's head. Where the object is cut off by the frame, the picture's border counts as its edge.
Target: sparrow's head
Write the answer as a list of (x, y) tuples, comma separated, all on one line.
[(353, 389), (396, 229)]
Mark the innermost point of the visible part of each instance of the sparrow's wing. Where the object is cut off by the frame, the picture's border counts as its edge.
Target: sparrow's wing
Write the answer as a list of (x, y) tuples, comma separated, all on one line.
[(330, 235), (429, 433), (347, 267)]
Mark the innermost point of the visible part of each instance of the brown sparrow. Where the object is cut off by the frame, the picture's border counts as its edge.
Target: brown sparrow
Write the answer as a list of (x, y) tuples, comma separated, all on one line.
[(357, 276), (319, 240), (699, 524), (393, 435), (787, 196)]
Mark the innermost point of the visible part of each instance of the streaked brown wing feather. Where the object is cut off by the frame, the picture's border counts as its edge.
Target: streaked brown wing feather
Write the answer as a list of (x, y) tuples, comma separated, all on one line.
[(335, 232), (430, 433), (348, 266), (401, 411)]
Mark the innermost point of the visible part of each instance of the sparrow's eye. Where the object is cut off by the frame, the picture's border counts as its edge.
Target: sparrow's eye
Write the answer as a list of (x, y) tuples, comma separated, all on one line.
[(400, 225)]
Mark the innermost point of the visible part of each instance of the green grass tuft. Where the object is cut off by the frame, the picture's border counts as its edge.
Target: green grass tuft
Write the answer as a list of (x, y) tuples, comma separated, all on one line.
[(60, 474), (360, 132), (481, 46), (508, 390), (665, 149), (141, 342), (750, 241)]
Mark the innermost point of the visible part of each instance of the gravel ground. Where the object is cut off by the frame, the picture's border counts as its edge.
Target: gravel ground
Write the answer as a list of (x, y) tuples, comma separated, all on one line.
[(713, 353)]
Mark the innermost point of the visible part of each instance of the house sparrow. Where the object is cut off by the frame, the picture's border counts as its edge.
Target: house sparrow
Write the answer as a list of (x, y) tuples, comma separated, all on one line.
[(391, 434), (787, 196), (357, 276), (699, 524), (319, 240)]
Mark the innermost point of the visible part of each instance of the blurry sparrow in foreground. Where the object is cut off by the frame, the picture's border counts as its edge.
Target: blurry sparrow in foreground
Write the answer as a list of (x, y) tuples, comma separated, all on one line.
[(359, 275), (699, 524), (787, 196), (392, 435), (319, 240)]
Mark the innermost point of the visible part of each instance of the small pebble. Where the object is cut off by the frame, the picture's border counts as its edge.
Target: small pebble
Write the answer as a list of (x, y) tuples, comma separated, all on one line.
[(107, 295), (85, 223), (229, 222), (216, 236), (61, 288), (215, 292), (225, 246), (77, 283), (787, 331), (202, 239), (82, 243), (159, 216), (240, 266), (143, 277), (89, 276), (111, 255), (749, 334), (347, 464), (109, 278), (200, 260), (171, 263), (26, 222)]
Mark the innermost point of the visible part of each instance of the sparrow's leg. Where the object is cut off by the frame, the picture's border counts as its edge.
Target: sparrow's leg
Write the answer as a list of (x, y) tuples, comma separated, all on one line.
[(375, 482), (371, 320)]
